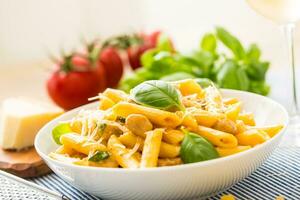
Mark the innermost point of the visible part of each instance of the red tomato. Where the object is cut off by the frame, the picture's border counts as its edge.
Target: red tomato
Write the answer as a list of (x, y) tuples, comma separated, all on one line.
[(80, 62), (72, 89), (134, 54), (152, 38), (113, 66)]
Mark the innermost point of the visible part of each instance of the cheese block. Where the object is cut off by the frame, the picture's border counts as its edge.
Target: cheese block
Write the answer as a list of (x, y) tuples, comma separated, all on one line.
[(21, 120)]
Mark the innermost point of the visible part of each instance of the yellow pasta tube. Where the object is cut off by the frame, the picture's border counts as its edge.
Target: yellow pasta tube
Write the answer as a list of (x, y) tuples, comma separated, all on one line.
[(189, 121), (151, 148), (208, 119), (129, 139), (225, 125), (115, 95), (233, 111), (76, 126), (168, 162), (166, 150), (229, 151), (252, 137), (120, 153), (81, 143), (138, 124), (189, 87), (270, 130), (159, 117), (109, 162), (105, 103), (173, 136), (217, 138), (230, 101), (65, 150), (240, 126), (247, 118)]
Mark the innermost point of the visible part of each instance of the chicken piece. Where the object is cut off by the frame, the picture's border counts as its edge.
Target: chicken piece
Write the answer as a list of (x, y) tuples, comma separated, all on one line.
[(138, 124)]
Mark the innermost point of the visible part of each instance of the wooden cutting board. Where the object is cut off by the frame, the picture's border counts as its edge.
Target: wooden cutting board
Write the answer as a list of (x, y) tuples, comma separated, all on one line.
[(25, 163)]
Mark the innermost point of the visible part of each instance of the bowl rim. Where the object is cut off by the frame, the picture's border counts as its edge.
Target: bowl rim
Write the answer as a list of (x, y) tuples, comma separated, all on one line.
[(164, 168)]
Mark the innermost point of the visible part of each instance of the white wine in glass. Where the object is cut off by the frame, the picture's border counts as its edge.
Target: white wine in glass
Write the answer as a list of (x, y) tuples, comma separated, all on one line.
[(285, 13)]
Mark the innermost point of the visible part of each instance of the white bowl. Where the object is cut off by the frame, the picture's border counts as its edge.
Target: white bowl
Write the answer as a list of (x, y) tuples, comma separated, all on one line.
[(176, 182)]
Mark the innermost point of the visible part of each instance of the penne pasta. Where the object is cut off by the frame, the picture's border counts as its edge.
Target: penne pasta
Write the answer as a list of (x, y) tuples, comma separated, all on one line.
[(247, 118), (65, 150), (174, 137), (233, 111), (225, 125), (105, 103), (217, 138), (229, 151), (252, 137), (81, 143), (190, 86), (115, 95), (206, 118), (270, 130), (159, 117), (230, 101), (151, 148), (168, 162), (166, 150), (120, 153)]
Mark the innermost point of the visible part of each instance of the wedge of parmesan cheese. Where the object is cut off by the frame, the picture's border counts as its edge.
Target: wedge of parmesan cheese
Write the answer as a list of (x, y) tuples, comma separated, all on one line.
[(22, 119)]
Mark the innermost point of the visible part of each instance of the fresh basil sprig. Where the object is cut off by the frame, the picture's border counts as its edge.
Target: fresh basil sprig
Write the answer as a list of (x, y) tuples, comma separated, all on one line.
[(99, 156), (158, 94), (60, 130), (195, 148)]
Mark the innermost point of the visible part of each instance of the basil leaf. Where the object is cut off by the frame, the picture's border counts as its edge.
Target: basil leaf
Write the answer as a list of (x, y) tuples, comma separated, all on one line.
[(204, 82), (253, 52), (60, 130), (177, 76), (231, 42), (259, 87), (98, 156), (164, 43), (232, 76), (195, 148), (257, 70), (209, 42), (158, 94)]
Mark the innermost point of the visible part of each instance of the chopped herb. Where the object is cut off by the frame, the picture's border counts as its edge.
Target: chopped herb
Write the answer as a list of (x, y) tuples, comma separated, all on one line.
[(121, 119), (101, 128), (99, 156)]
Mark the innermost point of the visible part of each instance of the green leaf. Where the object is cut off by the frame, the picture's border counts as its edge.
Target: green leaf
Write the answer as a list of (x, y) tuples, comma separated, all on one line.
[(253, 52), (232, 76), (259, 87), (140, 75), (99, 156), (164, 43), (204, 82), (209, 42), (231, 42), (177, 76), (195, 148), (257, 70), (60, 130), (147, 57), (157, 94)]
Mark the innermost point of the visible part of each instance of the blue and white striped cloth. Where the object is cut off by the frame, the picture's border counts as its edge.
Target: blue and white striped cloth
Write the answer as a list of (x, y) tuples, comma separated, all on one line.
[(279, 176)]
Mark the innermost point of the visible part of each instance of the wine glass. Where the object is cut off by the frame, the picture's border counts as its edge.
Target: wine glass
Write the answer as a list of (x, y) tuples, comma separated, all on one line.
[(285, 13)]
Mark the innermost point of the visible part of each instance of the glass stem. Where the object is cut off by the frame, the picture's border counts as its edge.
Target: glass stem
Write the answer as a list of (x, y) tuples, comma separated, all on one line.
[(289, 37)]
